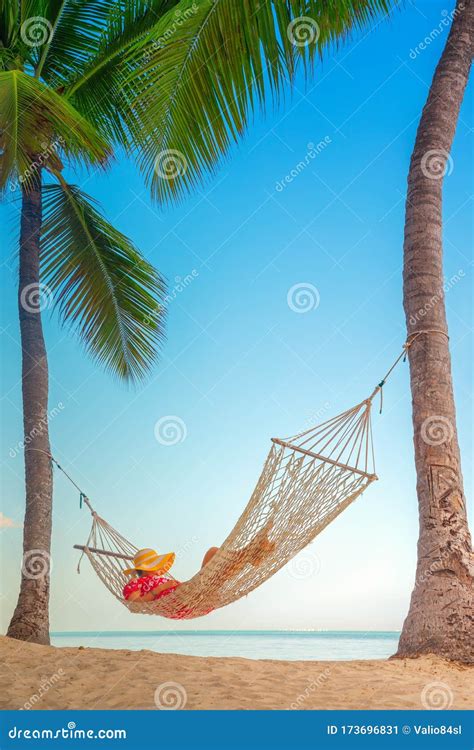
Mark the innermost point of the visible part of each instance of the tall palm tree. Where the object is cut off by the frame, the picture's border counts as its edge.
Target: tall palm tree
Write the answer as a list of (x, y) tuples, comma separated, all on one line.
[(168, 83), (440, 617), (102, 286)]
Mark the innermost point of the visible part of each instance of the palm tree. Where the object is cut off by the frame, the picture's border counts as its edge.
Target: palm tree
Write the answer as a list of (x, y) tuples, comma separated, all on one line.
[(102, 286), (168, 83), (441, 614)]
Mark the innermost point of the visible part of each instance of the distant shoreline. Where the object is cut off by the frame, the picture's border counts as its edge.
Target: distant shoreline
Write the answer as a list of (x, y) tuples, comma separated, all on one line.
[(248, 644), (127, 633)]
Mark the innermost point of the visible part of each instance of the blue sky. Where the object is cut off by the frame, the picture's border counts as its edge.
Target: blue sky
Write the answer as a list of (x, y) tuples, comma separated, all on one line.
[(240, 366)]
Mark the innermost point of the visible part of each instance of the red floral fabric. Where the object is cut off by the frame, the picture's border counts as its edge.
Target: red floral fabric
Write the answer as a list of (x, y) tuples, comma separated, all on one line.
[(145, 584)]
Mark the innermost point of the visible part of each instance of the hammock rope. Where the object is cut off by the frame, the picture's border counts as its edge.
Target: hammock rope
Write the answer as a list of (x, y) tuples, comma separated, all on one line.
[(307, 480)]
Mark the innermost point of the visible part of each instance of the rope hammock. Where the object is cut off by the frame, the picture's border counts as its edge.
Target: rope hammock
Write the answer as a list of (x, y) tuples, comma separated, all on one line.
[(306, 482)]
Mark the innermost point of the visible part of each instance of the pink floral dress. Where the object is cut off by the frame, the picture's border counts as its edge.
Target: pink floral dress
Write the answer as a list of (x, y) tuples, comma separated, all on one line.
[(145, 584)]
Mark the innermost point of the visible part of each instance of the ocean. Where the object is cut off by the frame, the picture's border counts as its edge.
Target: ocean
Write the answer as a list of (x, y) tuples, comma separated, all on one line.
[(250, 644)]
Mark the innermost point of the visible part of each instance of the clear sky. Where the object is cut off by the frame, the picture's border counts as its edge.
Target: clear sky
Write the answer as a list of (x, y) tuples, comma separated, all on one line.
[(240, 365)]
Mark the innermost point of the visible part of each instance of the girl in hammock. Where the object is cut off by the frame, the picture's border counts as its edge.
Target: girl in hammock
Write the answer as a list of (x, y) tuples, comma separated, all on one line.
[(149, 581)]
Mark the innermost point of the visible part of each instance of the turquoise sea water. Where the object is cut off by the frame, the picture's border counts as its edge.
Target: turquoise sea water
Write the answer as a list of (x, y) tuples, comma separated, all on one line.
[(251, 644)]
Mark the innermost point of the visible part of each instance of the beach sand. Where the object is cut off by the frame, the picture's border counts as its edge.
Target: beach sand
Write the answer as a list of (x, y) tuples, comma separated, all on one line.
[(45, 677)]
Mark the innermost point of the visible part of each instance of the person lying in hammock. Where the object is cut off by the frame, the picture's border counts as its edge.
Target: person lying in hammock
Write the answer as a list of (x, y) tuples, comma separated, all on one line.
[(149, 581)]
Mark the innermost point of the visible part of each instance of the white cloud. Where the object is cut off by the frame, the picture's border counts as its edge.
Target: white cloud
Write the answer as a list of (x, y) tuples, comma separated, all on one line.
[(8, 523)]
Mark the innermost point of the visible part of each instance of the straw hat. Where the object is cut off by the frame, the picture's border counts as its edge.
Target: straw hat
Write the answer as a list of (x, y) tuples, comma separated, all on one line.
[(150, 561)]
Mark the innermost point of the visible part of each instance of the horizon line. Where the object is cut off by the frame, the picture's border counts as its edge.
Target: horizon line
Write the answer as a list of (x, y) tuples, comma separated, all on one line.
[(217, 631)]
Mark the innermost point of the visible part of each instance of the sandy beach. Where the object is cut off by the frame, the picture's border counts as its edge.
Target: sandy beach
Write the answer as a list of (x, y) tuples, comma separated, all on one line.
[(45, 677)]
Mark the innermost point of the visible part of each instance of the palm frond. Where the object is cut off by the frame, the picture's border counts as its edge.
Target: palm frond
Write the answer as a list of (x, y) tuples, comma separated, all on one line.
[(207, 64), (9, 14), (98, 87), (35, 124), (124, 25), (110, 295), (75, 28)]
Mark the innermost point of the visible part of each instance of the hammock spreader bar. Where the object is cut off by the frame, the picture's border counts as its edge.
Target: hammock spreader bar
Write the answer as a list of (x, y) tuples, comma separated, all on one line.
[(277, 441), (96, 551)]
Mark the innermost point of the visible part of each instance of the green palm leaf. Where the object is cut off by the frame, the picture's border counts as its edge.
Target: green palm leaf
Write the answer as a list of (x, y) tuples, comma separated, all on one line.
[(35, 124), (198, 76), (102, 285), (71, 30), (98, 88), (9, 13)]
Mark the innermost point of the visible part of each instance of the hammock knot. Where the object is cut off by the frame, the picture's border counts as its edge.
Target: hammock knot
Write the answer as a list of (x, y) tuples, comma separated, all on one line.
[(380, 387)]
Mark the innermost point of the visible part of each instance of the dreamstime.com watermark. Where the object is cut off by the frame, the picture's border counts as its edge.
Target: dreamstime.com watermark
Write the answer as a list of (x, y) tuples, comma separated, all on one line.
[(35, 298), (448, 284), (71, 732), (312, 152), (170, 164), (181, 283), (437, 696), (437, 31), (432, 569), (311, 688), (36, 564), (437, 430), (305, 565), (36, 31), (40, 160), (170, 696), (314, 418), (36, 431), (303, 297), (182, 552), (178, 19), (46, 683), (436, 163), (170, 430), (303, 31)]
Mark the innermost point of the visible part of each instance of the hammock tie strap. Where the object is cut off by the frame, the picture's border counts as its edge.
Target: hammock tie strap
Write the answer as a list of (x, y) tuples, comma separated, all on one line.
[(412, 337), (82, 495), (380, 387)]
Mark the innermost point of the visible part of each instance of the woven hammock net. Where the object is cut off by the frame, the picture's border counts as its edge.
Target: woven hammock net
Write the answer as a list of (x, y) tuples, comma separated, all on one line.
[(306, 481)]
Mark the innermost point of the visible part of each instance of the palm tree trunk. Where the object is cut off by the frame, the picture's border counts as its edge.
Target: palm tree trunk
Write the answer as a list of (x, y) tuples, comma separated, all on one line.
[(30, 620), (440, 616)]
